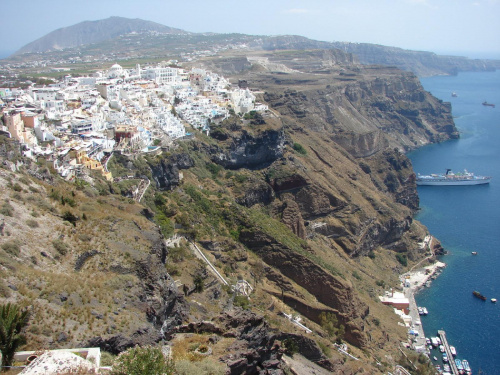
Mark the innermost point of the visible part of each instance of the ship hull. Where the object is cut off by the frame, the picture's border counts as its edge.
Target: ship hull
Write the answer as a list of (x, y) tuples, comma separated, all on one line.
[(446, 182)]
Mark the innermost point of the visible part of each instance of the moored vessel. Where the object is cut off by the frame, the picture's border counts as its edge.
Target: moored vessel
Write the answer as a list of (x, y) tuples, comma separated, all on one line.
[(479, 295), (466, 366), (452, 179)]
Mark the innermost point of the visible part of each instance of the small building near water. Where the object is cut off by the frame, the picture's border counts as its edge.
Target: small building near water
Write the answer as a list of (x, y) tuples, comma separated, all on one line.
[(396, 300)]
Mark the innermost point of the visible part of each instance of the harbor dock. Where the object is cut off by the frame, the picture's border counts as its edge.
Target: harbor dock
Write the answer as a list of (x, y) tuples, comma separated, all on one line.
[(453, 366)]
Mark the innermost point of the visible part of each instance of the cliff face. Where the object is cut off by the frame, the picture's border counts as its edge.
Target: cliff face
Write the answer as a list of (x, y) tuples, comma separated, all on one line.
[(421, 63)]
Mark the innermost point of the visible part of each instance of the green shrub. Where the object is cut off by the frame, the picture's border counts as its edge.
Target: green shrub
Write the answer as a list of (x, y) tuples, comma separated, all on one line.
[(299, 148), (12, 247), (208, 366), (199, 283), (242, 302), (107, 358), (60, 246), (325, 349), (402, 259), (291, 347), (329, 322), (32, 223), (142, 360), (214, 169), (68, 216), (380, 283), (7, 209)]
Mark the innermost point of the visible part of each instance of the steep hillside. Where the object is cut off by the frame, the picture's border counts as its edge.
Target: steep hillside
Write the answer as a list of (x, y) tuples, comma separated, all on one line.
[(89, 32), (311, 203)]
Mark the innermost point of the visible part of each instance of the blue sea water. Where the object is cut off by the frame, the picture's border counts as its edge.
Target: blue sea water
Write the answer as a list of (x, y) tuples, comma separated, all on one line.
[(465, 219)]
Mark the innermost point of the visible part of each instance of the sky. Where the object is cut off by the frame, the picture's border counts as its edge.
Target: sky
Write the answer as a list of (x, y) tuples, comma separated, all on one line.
[(461, 27)]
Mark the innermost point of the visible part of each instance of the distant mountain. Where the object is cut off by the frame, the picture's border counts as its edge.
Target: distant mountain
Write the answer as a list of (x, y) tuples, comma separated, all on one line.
[(136, 38), (88, 32)]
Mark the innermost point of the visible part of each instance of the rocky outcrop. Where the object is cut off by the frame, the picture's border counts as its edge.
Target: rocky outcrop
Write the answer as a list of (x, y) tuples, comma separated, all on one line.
[(166, 173), (255, 350), (377, 107), (291, 217), (328, 289), (256, 191), (250, 151), (119, 343)]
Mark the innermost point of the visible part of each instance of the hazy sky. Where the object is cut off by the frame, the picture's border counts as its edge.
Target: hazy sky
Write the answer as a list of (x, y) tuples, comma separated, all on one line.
[(466, 27)]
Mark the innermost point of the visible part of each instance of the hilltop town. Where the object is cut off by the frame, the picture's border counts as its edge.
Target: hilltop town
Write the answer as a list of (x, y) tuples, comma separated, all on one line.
[(79, 121)]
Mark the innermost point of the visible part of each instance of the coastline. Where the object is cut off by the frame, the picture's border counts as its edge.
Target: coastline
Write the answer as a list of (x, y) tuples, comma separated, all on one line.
[(414, 280), (411, 282)]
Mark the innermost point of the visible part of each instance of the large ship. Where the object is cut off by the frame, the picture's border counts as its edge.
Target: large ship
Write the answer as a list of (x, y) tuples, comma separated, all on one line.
[(450, 178)]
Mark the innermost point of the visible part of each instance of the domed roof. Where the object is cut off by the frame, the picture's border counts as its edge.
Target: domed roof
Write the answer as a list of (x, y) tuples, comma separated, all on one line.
[(116, 67)]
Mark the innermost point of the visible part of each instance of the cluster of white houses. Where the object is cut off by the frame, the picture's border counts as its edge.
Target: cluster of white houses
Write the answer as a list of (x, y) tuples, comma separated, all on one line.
[(79, 120)]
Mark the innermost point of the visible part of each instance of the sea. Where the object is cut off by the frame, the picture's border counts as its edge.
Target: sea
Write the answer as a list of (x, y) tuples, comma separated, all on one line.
[(465, 219)]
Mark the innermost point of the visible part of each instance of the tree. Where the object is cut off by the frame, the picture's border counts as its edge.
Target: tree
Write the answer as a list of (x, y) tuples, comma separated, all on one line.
[(12, 322), (199, 283)]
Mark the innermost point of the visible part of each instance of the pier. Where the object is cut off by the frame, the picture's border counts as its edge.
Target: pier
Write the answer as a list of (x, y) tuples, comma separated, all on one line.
[(451, 359)]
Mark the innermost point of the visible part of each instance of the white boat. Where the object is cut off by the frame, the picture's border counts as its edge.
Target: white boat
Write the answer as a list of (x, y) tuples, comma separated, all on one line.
[(439, 340), (453, 351), (494, 300), (452, 179), (466, 366), (441, 348), (434, 342), (424, 309)]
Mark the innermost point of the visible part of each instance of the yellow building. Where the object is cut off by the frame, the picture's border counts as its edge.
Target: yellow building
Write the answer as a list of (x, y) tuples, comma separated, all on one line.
[(89, 163)]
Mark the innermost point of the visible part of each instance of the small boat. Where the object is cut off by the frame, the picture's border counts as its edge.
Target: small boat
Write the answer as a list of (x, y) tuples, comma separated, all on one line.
[(424, 310), (488, 104), (454, 95), (479, 295), (445, 357), (420, 311), (453, 351), (474, 253), (428, 341), (438, 340), (466, 366), (493, 300), (435, 358), (446, 368), (434, 342), (459, 365), (441, 348)]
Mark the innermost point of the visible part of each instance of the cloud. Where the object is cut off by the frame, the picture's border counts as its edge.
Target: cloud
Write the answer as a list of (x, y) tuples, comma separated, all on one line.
[(297, 11)]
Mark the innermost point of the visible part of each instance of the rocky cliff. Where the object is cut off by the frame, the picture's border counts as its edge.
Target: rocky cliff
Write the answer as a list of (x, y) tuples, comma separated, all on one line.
[(311, 204), (421, 63)]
